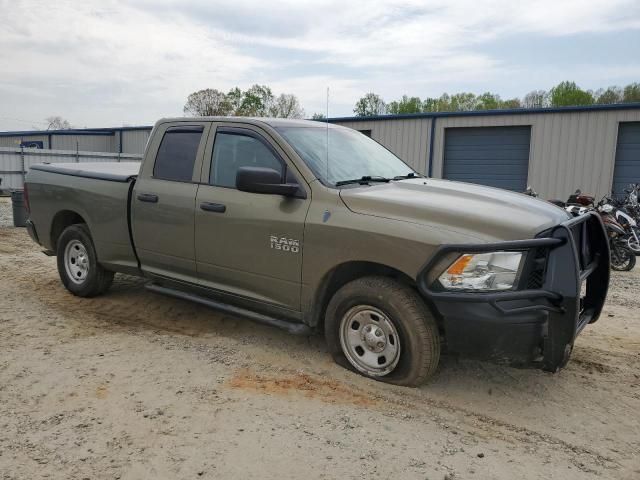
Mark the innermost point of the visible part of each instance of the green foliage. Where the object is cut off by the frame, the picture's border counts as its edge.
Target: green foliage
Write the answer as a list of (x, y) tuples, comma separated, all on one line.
[(511, 103), (369, 105), (609, 96), (256, 101), (568, 94), (488, 101), (631, 93), (405, 105)]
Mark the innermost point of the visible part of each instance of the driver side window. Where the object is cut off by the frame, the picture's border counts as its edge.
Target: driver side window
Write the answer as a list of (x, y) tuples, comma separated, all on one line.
[(232, 150)]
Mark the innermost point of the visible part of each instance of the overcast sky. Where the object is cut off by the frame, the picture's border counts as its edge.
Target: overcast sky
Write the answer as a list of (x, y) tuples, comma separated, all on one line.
[(113, 63)]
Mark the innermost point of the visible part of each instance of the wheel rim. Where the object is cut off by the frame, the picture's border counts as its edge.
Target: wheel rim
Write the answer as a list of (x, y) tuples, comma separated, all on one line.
[(76, 261), (370, 340), (620, 259), (633, 244)]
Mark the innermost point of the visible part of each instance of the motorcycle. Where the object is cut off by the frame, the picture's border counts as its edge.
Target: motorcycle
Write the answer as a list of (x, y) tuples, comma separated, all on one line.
[(622, 257)]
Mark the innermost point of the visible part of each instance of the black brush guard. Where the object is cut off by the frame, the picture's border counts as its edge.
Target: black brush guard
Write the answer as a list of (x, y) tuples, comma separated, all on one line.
[(573, 285)]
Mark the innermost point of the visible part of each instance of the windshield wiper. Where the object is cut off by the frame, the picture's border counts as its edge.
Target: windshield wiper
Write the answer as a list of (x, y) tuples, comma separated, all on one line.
[(408, 175), (363, 180)]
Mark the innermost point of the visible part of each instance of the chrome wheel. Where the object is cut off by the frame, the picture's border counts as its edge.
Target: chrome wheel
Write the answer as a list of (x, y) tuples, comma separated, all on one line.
[(76, 261), (369, 340)]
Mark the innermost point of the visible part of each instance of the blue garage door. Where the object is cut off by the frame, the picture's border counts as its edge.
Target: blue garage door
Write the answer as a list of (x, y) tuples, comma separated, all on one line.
[(627, 169), (493, 156)]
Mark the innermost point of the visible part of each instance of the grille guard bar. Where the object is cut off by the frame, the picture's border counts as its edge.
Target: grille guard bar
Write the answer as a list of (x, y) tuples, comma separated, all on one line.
[(578, 251)]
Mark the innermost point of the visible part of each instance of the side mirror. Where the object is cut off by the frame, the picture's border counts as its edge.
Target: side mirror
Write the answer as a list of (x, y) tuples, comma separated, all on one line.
[(266, 181)]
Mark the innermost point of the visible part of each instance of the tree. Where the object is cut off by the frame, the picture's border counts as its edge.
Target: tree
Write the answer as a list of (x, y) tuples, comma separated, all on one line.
[(208, 102), (511, 103), (463, 102), (234, 97), (286, 106), (405, 105), (370, 105), (318, 116), (430, 104), (57, 123), (488, 101), (569, 94), (536, 99), (608, 96), (631, 93), (256, 102)]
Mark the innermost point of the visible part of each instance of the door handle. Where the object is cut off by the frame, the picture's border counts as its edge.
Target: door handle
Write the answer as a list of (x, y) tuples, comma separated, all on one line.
[(213, 207), (148, 197)]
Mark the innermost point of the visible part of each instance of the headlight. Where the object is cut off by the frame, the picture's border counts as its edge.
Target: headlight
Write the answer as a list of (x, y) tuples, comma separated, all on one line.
[(483, 271)]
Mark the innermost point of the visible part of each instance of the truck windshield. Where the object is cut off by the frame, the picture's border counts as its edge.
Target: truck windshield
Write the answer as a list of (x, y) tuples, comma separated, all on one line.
[(352, 155)]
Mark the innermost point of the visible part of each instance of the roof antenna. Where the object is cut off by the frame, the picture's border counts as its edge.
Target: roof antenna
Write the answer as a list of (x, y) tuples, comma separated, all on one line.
[(327, 119)]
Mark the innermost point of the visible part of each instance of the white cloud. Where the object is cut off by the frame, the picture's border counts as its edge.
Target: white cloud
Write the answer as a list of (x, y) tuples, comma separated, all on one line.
[(112, 61)]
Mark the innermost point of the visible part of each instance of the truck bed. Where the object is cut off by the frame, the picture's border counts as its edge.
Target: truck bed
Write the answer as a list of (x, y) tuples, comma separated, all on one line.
[(98, 194)]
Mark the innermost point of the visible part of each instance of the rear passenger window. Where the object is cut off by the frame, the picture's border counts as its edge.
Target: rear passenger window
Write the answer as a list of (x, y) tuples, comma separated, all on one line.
[(177, 154), (234, 150)]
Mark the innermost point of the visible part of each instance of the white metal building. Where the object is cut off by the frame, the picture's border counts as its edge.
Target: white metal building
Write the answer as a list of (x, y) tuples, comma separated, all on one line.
[(114, 140), (555, 151)]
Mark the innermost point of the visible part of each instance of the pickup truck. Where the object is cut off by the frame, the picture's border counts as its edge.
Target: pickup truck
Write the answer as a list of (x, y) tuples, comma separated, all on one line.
[(315, 227)]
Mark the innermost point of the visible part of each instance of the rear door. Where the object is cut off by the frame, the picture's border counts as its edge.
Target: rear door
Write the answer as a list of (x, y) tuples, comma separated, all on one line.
[(164, 198), (248, 244)]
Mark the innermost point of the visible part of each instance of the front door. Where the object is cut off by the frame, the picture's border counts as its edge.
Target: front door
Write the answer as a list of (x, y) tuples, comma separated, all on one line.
[(163, 200), (249, 244)]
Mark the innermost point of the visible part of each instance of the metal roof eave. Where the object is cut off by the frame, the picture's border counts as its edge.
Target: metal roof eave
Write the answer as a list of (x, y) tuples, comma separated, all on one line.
[(476, 113)]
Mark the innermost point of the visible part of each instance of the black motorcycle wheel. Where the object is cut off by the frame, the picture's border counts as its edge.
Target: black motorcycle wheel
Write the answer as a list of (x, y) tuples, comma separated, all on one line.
[(622, 258)]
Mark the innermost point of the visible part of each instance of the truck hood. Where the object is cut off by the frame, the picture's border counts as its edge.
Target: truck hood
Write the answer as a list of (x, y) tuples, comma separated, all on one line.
[(480, 212)]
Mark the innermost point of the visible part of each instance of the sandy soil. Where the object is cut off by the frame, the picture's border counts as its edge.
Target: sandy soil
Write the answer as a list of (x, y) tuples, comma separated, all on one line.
[(135, 385)]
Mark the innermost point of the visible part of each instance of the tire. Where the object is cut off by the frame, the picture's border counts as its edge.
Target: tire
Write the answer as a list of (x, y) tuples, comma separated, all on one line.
[(622, 258), (383, 304), (632, 243), (78, 265)]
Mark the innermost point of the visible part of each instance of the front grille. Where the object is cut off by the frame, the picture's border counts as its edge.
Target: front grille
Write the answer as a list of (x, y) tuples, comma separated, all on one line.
[(538, 265)]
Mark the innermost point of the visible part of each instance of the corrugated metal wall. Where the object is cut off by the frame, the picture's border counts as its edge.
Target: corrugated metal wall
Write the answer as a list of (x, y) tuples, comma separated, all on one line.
[(568, 150), (408, 139), (12, 159), (14, 141), (87, 143), (134, 141)]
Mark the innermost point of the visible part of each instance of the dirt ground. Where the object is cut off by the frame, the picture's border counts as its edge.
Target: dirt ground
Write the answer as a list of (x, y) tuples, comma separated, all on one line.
[(135, 385)]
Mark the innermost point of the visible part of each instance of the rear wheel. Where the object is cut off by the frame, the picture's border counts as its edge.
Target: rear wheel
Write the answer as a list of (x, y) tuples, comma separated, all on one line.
[(78, 265), (382, 329)]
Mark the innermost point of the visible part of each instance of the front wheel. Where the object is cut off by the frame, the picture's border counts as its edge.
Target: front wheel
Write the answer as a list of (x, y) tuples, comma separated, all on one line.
[(78, 265), (622, 258), (633, 241), (382, 329)]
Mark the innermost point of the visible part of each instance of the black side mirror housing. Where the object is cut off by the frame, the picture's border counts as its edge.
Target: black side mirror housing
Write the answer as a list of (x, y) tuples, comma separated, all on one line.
[(266, 181)]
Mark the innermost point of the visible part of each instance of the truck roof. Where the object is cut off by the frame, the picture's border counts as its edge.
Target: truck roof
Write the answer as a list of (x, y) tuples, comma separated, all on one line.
[(272, 122)]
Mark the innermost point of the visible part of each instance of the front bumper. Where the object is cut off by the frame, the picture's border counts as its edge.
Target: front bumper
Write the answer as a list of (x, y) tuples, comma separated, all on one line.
[(563, 288)]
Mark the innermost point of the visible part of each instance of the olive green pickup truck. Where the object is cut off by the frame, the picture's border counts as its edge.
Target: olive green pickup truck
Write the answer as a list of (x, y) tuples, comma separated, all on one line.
[(310, 227)]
